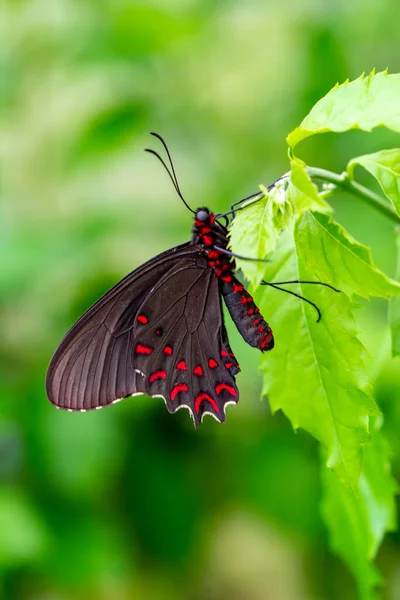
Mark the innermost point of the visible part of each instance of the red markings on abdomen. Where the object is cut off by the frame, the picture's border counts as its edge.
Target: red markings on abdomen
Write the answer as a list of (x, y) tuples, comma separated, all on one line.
[(158, 375), (142, 319), (198, 371), (265, 339), (201, 397), (178, 387), (181, 366), (140, 349), (228, 388)]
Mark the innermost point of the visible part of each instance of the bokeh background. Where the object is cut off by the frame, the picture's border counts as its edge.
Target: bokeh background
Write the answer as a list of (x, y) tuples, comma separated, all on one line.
[(131, 502)]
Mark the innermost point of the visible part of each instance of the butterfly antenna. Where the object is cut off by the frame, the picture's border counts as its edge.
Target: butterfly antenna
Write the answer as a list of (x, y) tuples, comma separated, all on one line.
[(172, 174)]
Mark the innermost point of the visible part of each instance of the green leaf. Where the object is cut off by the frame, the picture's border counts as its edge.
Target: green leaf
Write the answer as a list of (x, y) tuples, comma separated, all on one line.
[(357, 523), (365, 103), (302, 193), (315, 374), (335, 257), (394, 307), (256, 228), (385, 167)]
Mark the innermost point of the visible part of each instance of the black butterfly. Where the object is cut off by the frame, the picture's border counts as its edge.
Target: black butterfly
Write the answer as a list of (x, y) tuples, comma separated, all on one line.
[(160, 331)]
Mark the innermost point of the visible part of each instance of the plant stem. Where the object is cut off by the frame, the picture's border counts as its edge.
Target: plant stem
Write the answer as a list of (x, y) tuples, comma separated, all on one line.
[(352, 187)]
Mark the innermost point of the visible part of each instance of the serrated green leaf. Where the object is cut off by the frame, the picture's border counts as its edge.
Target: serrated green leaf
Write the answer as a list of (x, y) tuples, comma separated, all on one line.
[(394, 307), (357, 523), (385, 167), (335, 257), (301, 192), (365, 103), (255, 229), (315, 374)]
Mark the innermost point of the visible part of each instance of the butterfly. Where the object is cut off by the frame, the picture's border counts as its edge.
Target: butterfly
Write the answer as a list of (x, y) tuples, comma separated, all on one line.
[(161, 332)]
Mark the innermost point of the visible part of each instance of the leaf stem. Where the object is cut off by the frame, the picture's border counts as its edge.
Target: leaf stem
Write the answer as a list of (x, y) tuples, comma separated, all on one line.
[(347, 184)]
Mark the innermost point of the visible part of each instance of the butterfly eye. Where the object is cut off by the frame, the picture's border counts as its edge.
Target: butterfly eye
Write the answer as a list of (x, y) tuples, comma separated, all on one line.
[(202, 215)]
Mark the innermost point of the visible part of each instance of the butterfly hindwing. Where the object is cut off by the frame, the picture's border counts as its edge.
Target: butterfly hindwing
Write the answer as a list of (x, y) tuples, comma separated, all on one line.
[(180, 346)]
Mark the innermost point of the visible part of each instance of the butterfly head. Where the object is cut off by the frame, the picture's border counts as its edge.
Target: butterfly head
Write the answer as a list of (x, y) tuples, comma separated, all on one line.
[(204, 218)]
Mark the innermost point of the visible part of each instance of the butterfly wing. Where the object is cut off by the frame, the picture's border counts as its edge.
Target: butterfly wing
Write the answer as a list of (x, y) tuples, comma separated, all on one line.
[(159, 331)]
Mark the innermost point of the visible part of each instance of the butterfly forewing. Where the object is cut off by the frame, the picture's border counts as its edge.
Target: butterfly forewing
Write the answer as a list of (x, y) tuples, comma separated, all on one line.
[(91, 366), (160, 331)]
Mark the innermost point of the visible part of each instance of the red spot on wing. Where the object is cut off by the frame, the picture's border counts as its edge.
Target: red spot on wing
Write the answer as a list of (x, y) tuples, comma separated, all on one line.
[(228, 388), (227, 278), (237, 288), (246, 300), (229, 365), (198, 371), (157, 375), (260, 329), (212, 363), (256, 322), (168, 350), (250, 311), (211, 263), (181, 366), (178, 387), (218, 272), (140, 349), (142, 319), (159, 331), (201, 397), (224, 353)]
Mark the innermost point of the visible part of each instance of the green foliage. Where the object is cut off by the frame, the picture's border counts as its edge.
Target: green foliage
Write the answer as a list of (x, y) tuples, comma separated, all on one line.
[(365, 103), (256, 228), (358, 522), (385, 167), (394, 308), (335, 257), (301, 192), (317, 373)]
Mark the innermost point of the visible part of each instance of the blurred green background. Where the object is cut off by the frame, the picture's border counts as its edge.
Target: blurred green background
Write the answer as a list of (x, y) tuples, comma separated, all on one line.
[(131, 502)]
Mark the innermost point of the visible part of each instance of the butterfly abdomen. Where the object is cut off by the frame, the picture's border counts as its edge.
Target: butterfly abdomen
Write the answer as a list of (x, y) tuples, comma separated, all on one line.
[(243, 310), (246, 315)]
